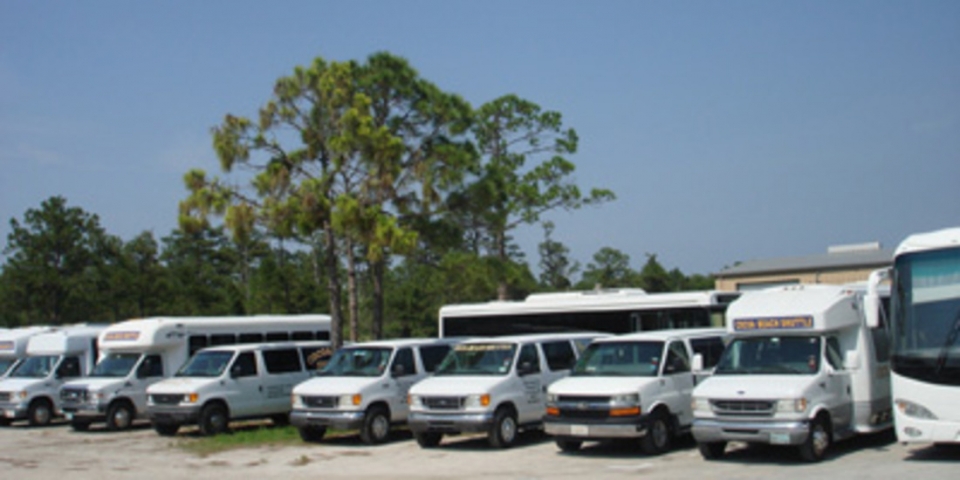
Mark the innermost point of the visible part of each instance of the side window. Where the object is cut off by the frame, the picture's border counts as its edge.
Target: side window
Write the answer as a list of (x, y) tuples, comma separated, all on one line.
[(678, 361), (70, 368), (302, 336), (244, 366), (197, 342), (834, 358), (278, 336), (315, 358), (284, 360), (152, 366), (403, 363), (223, 339), (581, 344), (432, 355), (529, 356), (559, 355), (250, 338), (709, 348)]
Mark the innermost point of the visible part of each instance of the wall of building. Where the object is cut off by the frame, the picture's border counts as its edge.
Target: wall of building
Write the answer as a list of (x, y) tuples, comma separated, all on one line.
[(748, 282)]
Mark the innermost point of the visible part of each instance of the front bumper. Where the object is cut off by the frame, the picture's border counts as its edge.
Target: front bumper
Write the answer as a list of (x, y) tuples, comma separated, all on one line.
[(173, 414), (87, 411), (770, 432), (634, 427), (13, 411), (345, 420), (450, 423)]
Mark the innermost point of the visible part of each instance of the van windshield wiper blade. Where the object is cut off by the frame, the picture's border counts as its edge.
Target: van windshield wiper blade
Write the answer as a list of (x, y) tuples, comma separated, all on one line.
[(945, 349)]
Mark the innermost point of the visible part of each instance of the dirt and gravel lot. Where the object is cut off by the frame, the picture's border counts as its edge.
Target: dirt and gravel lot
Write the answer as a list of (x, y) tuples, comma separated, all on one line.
[(57, 451)]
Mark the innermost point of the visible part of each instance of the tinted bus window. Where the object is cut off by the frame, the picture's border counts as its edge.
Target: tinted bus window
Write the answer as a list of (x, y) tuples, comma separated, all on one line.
[(282, 361)]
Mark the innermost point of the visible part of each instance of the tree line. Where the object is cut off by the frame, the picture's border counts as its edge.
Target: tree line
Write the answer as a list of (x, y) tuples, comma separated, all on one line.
[(358, 189)]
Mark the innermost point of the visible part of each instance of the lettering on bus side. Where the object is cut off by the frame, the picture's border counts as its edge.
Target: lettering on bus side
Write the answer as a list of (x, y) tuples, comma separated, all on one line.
[(773, 323), (5, 346), (121, 336)]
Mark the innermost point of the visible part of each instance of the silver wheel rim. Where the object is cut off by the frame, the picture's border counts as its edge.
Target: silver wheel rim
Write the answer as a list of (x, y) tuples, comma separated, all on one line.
[(380, 427), (218, 422), (820, 439), (41, 415), (508, 429), (659, 432), (121, 418)]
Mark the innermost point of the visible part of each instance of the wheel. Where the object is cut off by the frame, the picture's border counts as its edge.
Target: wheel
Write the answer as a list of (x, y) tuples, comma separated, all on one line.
[(503, 432), (214, 419), (428, 439), (79, 425), (657, 439), (4, 422), (119, 416), (568, 445), (280, 420), (376, 426), (166, 429), (712, 450), (312, 434), (40, 413), (817, 442)]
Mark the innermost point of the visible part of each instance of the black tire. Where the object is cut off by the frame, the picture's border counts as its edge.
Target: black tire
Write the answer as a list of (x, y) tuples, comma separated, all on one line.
[(79, 425), (376, 426), (280, 420), (119, 416), (214, 420), (4, 422), (312, 434), (505, 430), (712, 450), (40, 413), (428, 439), (568, 445), (814, 448), (659, 433), (166, 429)]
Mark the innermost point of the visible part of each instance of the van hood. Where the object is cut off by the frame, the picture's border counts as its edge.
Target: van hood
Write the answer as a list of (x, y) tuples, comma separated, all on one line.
[(181, 385), (19, 384), (754, 387), (457, 385), (336, 385), (607, 386)]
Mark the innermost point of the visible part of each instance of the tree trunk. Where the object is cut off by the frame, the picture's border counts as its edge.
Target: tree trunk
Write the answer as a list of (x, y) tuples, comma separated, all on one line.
[(333, 287), (377, 270), (352, 303)]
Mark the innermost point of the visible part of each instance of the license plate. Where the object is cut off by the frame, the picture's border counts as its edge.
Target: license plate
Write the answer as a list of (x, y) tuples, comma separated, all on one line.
[(780, 438), (9, 414), (580, 430), (68, 415)]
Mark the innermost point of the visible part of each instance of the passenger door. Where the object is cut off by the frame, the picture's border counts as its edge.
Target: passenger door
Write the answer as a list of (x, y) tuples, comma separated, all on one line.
[(839, 390), (244, 389), (531, 406), (149, 371), (677, 382), (404, 374), (283, 371)]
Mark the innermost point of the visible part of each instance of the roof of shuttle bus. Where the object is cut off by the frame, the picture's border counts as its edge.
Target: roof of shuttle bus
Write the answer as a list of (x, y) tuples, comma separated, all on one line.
[(598, 300), (140, 332), (795, 308), (930, 241), (63, 339)]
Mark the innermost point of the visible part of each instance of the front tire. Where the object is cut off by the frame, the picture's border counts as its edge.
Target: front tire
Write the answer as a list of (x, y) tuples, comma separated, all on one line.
[(166, 429), (815, 446), (376, 426), (40, 413), (712, 450), (312, 434), (80, 425), (503, 432), (119, 417), (428, 439), (214, 420), (657, 439), (568, 445)]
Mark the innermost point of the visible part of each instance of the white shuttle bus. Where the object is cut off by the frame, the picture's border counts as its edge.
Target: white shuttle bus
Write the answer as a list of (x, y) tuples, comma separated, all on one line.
[(803, 368), (13, 346), (925, 321), (610, 311), (138, 353), (31, 391)]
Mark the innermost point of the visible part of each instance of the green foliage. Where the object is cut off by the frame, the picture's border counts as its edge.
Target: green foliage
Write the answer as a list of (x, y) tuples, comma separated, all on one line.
[(610, 269), (555, 266)]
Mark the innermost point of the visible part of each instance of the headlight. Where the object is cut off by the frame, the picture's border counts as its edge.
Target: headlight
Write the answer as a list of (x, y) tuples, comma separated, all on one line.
[(911, 409), (629, 399), (700, 404), (296, 401), (792, 405), (350, 400), (477, 401), (22, 394), (551, 398), (415, 401)]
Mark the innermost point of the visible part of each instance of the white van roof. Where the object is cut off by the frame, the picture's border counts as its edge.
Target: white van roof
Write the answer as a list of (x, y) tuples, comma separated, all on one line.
[(404, 342), (796, 308), (14, 341), (666, 335), (537, 337)]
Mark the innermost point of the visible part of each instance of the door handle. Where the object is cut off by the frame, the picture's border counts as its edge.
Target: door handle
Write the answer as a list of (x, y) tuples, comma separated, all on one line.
[(260, 388)]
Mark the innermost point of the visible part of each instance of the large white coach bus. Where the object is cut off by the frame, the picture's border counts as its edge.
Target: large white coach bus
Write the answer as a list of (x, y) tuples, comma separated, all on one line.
[(138, 353), (925, 328), (610, 311)]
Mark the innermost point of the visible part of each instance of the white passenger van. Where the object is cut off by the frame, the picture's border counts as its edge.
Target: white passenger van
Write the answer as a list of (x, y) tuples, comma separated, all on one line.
[(495, 385), (13, 346), (221, 384), (634, 386), (803, 368), (138, 353), (364, 387), (31, 391)]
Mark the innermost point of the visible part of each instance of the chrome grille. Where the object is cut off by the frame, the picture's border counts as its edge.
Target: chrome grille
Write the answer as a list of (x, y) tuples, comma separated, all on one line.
[(73, 395), (744, 408), (320, 402), (166, 399), (5, 396), (443, 403)]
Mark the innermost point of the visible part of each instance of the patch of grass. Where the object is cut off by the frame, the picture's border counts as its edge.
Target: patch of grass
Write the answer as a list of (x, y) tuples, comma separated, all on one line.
[(242, 438)]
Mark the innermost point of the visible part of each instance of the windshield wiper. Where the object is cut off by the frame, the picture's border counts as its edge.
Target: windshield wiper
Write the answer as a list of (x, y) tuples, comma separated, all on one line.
[(945, 349)]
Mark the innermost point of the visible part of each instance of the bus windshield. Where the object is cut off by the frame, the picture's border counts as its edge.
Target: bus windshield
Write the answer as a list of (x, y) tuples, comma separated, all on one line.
[(478, 359), (793, 355), (206, 364), (926, 316), (36, 367), (358, 362), (115, 365), (615, 359)]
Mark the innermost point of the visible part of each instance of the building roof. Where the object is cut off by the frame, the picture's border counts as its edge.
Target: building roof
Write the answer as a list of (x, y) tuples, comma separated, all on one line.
[(839, 259)]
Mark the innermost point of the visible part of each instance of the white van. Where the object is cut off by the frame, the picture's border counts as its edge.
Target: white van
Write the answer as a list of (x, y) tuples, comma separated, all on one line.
[(138, 353), (495, 385), (220, 384), (31, 391), (803, 368), (634, 386), (13, 346), (364, 387)]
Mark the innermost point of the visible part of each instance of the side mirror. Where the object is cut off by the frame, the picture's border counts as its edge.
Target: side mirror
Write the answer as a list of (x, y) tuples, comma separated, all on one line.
[(697, 365), (871, 300), (525, 368), (235, 371), (398, 371)]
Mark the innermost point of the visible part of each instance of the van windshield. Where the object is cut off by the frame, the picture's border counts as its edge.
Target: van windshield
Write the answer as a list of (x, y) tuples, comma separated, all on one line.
[(620, 359), (115, 365), (478, 359), (793, 355), (6, 365), (358, 362), (206, 364), (36, 367)]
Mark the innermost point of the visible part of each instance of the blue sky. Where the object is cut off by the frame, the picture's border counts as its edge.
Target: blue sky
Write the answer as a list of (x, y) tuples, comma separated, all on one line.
[(728, 130)]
